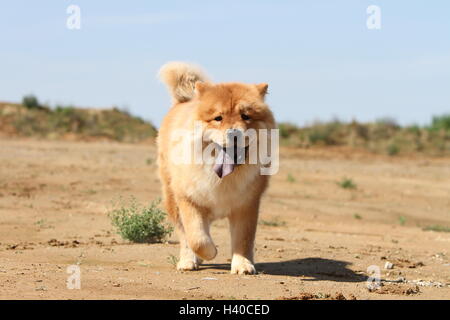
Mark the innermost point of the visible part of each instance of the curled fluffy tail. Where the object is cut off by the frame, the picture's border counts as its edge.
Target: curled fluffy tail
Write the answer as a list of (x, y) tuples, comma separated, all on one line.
[(180, 79)]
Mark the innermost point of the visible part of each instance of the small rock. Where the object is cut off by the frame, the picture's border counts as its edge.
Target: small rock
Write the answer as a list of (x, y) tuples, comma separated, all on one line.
[(193, 288), (388, 265)]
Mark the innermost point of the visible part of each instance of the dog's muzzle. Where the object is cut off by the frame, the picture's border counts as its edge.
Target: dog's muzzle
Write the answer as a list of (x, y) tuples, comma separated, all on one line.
[(231, 155)]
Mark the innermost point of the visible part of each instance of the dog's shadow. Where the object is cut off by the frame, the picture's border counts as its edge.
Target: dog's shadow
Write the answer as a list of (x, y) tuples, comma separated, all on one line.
[(312, 269)]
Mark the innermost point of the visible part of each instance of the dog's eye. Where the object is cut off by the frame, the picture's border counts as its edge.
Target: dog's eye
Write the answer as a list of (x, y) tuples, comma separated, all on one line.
[(245, 117), (218, 118)]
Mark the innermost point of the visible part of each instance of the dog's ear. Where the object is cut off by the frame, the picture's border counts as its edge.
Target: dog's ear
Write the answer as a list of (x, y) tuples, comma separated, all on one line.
[(201, 87), (262, 89)]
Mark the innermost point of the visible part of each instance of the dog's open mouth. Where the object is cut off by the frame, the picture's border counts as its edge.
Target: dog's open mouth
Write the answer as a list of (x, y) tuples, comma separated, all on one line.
[(228, 159)]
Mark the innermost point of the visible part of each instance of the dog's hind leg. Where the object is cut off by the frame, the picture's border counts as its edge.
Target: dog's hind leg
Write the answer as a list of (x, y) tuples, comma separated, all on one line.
[(196, 229)]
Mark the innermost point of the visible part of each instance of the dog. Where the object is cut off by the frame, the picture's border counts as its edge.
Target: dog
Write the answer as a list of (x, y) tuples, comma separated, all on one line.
[(197, 193)]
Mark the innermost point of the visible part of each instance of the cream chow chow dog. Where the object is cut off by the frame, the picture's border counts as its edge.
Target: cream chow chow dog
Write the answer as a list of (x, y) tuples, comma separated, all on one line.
[(208, 166)]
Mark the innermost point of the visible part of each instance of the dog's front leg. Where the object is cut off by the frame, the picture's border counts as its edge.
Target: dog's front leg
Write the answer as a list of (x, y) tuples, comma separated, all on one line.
[(196, 229), (243, 228), (188, 259)]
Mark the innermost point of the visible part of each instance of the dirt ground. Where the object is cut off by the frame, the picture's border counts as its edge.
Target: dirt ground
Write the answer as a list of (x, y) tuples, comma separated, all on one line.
[(316, 239)]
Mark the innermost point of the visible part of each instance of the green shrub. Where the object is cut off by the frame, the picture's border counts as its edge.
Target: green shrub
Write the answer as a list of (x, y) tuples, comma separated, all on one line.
[(291, 178), (173, 260), (275, 222), (441, 123), (327, 134), (413, 129), (388, 122), (31, 102), (287, 129), (138, 223), (393, 149), (347, 183)]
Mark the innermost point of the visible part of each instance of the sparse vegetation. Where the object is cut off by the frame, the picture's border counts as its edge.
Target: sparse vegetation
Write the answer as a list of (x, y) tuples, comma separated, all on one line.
[(393, 149), (441, 123), (43, 224), (381, 136), (291, 178), (275, 222), (173, 260), (347, 183), (90, 191), (31, 102), (385, 136), (437, 228), (33, 119), (402, 220), (138, 223), (357, 216)]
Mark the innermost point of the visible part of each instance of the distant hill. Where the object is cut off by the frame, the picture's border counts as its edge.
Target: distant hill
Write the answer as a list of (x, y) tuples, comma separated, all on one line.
[(382, 136), (30, 119), (385, 136)]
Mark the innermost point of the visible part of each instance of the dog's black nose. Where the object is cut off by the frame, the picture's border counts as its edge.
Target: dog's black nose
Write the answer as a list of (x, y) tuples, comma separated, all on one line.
[(235, 146), (234, 133), (235, 137)]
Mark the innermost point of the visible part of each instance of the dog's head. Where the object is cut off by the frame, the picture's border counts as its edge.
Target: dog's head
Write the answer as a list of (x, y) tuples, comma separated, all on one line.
[(231, 113)]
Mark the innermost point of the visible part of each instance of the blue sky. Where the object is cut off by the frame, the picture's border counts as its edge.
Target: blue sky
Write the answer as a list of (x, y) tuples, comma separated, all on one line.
[(319, 58)]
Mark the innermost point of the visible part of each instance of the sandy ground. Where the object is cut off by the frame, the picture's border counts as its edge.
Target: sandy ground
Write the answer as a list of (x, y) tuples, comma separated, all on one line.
[(54, 198)]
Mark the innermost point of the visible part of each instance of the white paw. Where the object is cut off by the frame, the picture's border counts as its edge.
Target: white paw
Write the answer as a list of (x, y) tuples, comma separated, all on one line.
[(187, 265), (241, 265)]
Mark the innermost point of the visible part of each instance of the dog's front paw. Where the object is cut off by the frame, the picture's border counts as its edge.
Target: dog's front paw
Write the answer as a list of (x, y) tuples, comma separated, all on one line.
[(187, 265), (241, 265)]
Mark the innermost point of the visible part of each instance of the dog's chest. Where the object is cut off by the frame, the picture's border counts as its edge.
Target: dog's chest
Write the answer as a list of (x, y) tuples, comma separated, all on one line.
[(222, 196)]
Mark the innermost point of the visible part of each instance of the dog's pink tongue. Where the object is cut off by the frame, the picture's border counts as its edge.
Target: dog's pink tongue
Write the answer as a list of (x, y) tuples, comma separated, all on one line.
[(224, 164)]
